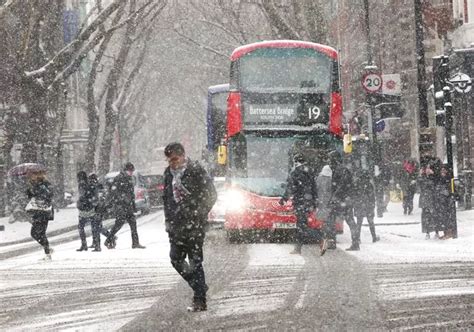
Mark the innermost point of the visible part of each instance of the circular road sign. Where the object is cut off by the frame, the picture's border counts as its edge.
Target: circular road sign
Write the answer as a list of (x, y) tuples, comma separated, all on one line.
[(372, 82), (379, 126), (462, 83)]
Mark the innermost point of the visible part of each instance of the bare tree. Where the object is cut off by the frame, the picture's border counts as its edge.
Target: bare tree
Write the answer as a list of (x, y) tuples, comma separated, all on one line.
[(118, 82)]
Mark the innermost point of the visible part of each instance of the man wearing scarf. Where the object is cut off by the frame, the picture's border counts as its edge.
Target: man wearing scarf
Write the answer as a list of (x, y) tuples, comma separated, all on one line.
[(188, 197)]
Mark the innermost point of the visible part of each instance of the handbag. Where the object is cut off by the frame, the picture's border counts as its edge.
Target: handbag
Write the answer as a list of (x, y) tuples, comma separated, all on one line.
[(35, 205)]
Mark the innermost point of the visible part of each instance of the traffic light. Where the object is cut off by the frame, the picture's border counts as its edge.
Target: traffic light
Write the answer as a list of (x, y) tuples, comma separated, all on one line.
[(387, 106), (440, 80), (427, 142)]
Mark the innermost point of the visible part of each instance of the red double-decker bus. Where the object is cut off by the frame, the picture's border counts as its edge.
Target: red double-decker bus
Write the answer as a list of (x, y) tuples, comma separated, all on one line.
[(284, 98)]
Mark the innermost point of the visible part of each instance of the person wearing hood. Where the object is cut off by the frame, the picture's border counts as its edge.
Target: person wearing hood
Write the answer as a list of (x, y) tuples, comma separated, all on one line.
[(324, 189), (301, 185), (188, 196), (123, 200)]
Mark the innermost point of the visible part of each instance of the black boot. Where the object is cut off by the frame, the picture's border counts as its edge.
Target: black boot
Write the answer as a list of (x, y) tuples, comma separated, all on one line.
[(354, 247), (375, 238), (110, 244), (199, 304), (82, 248)]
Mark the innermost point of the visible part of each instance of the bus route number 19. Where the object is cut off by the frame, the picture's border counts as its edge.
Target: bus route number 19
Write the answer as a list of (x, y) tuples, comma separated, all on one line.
[(372, 82), (314, 112)]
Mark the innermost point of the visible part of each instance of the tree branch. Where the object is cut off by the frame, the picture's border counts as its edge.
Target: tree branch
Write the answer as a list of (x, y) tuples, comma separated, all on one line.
[(207, 48), (278, 22), (65, 55), (5, 7)]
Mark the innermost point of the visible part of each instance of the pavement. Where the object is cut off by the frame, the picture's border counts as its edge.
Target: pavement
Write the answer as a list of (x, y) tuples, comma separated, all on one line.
[(16, 240), (393, 228)]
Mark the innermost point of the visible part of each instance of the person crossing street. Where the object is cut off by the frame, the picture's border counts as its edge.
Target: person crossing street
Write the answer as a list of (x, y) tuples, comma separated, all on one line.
[(302, 186), (188, 196), (341, 199), (123, 200)]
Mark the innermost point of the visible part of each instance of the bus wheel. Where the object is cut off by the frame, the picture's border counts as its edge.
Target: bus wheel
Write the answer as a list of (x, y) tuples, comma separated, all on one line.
[(233, 237)]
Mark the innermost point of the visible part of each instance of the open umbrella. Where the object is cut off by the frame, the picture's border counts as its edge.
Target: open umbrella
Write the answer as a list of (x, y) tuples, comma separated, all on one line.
[(24, 169)]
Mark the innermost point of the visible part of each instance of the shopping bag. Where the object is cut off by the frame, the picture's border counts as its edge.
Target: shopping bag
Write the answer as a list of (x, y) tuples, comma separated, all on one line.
[(396, 196), (36, 205)]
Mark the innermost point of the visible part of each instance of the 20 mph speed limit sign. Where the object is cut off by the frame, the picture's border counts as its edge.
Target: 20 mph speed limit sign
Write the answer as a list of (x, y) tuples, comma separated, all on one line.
[(372, 82)]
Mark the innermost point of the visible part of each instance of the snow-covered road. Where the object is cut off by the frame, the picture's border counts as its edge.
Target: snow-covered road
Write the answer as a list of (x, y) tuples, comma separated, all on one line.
[(403, 281)]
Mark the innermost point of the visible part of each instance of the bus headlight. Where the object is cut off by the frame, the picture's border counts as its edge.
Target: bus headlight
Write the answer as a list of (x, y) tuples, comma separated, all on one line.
[(234, 200)]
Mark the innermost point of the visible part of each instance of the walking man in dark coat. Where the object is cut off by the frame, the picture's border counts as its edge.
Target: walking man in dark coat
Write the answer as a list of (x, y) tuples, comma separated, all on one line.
[(188, 196), (341, 200), (123, 200), (301, 184)]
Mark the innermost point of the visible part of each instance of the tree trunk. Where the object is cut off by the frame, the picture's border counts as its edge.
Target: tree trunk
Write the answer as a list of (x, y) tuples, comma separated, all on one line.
[(92, 115), (111, 116)]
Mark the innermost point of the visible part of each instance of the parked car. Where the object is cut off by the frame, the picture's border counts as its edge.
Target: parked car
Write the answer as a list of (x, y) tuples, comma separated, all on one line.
[(142, 201), (155, 184)]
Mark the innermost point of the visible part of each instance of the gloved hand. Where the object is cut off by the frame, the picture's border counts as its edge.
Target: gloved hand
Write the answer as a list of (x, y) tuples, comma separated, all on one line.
[(282, 201), (398, 186)]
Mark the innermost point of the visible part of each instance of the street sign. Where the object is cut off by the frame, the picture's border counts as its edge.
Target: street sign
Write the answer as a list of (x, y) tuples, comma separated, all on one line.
[(372, 82), (391, 84), (462, 83), (379, 126)]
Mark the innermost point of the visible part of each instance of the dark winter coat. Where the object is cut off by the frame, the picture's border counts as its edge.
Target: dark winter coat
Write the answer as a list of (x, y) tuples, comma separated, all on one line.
[(342, 186), (427, 202), (101, 205), (122, 195), (364, 197), (427, 192), (190, 214), (88, 197), (42, 191), (408, 180), (445, 205), (301, 184)]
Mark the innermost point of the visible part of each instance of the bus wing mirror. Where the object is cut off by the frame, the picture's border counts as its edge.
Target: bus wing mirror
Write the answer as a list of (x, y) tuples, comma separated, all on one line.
[(222, 155), (347, 143)]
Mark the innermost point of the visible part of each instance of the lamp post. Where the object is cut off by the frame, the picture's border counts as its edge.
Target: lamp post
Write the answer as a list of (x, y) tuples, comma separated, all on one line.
[(370, 97), (420, 56)]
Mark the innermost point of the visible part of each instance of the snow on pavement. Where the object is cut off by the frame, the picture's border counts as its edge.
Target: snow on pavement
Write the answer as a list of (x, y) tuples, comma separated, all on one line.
[(401, 240), (102, 290)]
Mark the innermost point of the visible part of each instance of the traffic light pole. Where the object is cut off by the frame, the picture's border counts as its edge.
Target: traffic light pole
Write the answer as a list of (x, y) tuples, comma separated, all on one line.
[(369, 97), (448, 107), (466, 149), (421, 71)]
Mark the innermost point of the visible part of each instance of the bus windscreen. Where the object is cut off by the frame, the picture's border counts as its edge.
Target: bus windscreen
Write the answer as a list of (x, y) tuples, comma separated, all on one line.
[(261, 162), (292, 69)]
